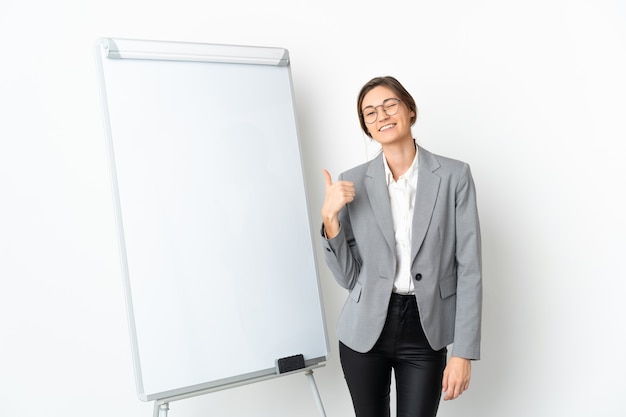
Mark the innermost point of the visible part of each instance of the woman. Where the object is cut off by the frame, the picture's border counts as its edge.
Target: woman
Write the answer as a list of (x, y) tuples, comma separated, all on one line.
[(401, 233)]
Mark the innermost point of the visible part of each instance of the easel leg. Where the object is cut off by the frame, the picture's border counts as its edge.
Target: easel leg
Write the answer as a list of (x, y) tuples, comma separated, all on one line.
[(316, 393), (160, 410)]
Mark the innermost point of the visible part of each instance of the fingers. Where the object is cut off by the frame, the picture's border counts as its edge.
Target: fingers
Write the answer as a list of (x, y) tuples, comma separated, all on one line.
[(338, 194), (453, 393), (456, 378), (341, 189), (453, 390), (329, 179), (346, 192)]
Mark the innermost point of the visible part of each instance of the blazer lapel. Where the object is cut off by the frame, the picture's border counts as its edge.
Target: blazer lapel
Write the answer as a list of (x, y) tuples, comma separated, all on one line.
[(425, 198), (378, 195)]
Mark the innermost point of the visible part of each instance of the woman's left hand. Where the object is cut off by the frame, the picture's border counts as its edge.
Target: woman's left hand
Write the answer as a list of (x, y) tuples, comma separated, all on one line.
[(456, 377)]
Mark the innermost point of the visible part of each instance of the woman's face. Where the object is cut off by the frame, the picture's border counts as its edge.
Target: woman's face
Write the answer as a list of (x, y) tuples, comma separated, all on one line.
[(387, 129)]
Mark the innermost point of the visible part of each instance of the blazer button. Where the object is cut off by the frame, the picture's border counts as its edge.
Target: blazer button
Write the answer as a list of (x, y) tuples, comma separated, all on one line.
[(418, 277)]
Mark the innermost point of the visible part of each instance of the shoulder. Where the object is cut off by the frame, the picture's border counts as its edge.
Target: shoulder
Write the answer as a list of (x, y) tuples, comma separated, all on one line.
[(444, 162), (442, 165), (363, 170)]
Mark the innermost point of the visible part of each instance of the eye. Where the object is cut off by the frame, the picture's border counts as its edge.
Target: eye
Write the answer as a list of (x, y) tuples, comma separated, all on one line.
[(391, 106)]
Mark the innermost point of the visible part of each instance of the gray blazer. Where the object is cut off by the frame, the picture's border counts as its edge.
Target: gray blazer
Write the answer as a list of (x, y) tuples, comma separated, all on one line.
[(446, 253)]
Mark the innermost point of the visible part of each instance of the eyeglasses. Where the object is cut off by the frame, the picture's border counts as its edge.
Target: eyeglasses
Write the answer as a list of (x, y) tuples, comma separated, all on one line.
[(390, 107)]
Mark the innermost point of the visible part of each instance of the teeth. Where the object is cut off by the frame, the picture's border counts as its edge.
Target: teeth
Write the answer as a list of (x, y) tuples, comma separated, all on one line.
[(385, 127)]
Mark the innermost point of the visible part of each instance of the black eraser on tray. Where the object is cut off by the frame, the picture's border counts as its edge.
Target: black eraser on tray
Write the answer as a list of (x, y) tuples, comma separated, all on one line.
[(290, 363)]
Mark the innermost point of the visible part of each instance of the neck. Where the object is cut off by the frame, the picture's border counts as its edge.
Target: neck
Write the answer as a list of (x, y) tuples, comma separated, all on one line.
[(400, 156)]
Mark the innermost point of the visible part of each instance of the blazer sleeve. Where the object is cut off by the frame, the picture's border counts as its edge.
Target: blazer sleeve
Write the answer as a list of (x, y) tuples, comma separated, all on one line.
[(469, 270)]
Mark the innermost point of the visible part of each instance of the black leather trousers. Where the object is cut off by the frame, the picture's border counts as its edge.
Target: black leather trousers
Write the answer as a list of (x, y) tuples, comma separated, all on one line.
[(403, 347)]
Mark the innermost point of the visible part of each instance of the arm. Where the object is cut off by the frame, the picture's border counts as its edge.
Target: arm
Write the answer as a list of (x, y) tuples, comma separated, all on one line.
[(340, 252), (466, 346), (469, 271)]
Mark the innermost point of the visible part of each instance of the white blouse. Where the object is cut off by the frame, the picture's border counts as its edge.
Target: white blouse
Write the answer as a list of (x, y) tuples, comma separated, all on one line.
[(402, 198)]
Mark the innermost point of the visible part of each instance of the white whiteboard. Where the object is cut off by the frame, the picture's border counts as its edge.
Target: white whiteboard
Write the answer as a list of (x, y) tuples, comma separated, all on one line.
[(215, 239)]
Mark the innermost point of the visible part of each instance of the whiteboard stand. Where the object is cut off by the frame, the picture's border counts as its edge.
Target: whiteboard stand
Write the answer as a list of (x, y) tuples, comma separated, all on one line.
[(316, 394), (162, 409), (177, 116), (162, 406)]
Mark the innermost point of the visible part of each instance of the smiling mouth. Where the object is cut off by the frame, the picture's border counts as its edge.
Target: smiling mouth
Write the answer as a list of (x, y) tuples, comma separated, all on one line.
[(385, 127)]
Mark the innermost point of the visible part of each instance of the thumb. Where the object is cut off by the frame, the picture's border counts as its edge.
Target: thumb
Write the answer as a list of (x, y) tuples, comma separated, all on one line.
[(329, 180)]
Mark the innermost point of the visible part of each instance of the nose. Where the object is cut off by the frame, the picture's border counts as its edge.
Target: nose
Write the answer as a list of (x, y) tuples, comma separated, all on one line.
[(381, 114)]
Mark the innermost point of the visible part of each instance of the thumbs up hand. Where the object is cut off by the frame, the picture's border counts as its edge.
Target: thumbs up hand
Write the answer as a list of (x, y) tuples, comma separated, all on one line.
[(338, 194)]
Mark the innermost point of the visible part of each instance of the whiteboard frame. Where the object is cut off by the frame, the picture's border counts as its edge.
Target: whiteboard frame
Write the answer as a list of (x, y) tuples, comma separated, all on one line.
[(110, 48)]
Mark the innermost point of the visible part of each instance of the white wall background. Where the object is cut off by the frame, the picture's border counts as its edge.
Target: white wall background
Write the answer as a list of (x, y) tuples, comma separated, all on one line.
[(530, 93)]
